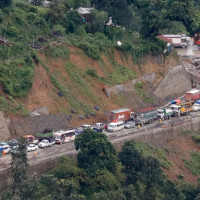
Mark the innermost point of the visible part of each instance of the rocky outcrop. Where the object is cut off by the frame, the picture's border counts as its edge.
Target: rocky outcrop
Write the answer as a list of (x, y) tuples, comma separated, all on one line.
[(129, 86), (176, 82)]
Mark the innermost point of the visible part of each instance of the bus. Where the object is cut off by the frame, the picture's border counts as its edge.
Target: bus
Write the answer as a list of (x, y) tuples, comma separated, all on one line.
[(64, 136)]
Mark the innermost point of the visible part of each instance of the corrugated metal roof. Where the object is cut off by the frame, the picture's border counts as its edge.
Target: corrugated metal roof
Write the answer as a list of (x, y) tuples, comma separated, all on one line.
[(172, 36), (120, 110), (193, 91), (83, 11)]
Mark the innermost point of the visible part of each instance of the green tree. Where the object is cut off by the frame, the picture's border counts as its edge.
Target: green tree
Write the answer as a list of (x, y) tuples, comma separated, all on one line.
[(172, 192), (153, 177), (19, 164), (29, 189), (98, 20), (71, 21), (132, 160), (5, 3), (96, 152)]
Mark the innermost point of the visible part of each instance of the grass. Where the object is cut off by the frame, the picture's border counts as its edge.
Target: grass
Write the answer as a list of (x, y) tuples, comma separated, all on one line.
[(149, 150), (77, 76), (11, 106), (57, 52), (140, 90), (194, 163), (196, 137)]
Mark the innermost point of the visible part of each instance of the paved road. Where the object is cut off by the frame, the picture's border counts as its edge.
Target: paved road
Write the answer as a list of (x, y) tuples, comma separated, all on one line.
[(191, 50), (68, 148)]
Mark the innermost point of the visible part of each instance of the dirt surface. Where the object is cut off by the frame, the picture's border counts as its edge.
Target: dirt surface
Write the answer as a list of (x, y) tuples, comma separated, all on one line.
[(177, 150), (44, 94)]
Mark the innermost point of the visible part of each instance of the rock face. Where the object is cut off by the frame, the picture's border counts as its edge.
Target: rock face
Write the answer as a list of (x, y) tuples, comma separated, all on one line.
[(175, 83), (4, 131), (37, 124), (129, 86)]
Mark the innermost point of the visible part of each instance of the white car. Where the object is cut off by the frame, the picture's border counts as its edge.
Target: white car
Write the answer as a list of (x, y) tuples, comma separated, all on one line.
[(5, 146), (86, 126), (32, 147)]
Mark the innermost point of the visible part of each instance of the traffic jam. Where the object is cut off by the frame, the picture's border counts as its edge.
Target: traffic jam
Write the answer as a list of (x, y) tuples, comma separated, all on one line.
[(123, 118)]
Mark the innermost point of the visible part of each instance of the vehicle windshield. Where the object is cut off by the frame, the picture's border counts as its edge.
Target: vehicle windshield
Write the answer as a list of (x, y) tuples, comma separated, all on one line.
[(129, 122), (45, 141), (111, 126), (57, 137), (160, 112)]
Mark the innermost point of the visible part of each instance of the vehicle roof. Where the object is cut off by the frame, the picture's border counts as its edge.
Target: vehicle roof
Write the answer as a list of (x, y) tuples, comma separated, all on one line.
[(28, 136), (113, 123), (120, 110), (60, 132), (175, 106), (193, 91), (172, 36)]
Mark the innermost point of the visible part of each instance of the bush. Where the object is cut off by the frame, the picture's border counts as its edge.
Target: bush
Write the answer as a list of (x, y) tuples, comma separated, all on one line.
[(92, 72)]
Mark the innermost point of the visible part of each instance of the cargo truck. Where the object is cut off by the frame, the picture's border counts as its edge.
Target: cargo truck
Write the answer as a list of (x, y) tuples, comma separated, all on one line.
[(123, 114), (165, 113), (178, 40), (142, 118), (182, 109), (192, 95)]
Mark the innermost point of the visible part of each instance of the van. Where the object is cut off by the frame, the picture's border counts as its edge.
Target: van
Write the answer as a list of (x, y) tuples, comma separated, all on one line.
[(115, 126)]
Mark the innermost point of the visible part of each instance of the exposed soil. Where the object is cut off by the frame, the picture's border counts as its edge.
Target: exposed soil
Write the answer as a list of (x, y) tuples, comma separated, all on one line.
[(178, 149)]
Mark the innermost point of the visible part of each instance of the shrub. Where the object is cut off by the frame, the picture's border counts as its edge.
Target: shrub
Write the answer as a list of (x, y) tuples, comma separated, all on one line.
[(92, 72)]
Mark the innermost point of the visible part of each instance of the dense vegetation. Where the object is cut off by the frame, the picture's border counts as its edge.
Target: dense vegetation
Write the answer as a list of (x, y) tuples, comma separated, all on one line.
[(134, 173), (28, 27)]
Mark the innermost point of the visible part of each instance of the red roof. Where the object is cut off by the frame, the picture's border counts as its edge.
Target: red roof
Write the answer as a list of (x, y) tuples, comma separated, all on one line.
[(161, 37)]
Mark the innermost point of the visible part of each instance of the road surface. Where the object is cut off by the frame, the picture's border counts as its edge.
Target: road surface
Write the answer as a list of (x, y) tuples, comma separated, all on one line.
[(191, 50), (68, 148)]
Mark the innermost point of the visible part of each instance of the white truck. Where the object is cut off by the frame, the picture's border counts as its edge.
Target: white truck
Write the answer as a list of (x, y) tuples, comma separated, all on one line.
[(46, 143), (178, 40), (165, 113)]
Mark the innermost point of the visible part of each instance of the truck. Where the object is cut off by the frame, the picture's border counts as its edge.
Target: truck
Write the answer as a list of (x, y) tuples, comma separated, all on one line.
[(46, 143), (178, 40), (145, 116), (192, 95), (31, 139), (46, 134), (122, 114), (197, 39), (182, 109), (164, 113)]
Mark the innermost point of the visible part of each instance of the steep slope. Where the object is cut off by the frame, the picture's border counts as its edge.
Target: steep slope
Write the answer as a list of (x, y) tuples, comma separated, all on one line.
[(82, 80)]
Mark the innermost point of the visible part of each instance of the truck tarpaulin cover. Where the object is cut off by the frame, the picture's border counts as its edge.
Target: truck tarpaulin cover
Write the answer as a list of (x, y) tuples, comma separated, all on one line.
[(197, 101), (1, 149), (176, 101)]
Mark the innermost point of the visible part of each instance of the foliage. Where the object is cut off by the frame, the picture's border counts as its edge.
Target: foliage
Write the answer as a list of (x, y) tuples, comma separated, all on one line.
[(196, 137), (139, 87), (193, 163), (19, 164), (57, 52), (97, 153), (5, 3)]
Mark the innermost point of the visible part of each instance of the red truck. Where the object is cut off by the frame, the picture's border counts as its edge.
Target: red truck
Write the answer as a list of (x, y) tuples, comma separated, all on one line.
[(197, 39), (192, 95), (122, 114)]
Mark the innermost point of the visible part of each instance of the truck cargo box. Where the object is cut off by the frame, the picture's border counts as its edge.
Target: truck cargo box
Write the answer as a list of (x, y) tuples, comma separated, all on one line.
[(122, 114), (192, 94)]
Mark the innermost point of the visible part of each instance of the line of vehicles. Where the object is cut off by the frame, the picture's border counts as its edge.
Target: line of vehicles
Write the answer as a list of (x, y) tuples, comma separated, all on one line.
[(118, 120)]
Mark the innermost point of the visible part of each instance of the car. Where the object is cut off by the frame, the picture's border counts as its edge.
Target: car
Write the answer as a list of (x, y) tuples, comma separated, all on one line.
[(13, 142), (86, 126), (98, 129), (129, 124), (32, 147), (5, 147), (15, 150)]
